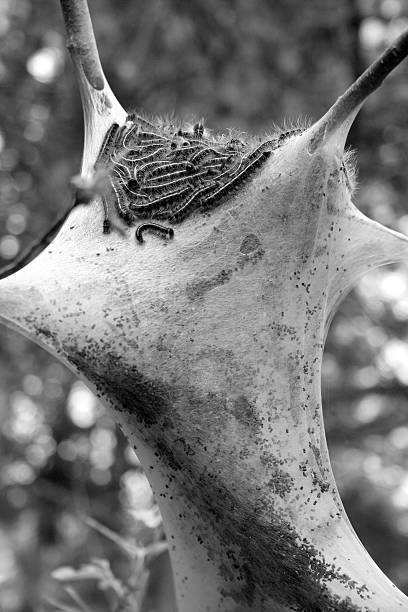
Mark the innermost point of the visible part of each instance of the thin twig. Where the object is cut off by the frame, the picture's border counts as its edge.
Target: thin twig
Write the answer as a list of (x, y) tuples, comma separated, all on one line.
[(34, 248), (366, 84), (77, 599), (41, 243), (133, 551), (59, 606)]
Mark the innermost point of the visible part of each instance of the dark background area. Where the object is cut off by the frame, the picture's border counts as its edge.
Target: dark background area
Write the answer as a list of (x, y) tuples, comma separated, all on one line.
[(246, 64)]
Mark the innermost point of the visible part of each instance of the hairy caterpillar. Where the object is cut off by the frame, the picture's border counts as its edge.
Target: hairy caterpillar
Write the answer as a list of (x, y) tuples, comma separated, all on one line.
[(207, 169), (161, 171)]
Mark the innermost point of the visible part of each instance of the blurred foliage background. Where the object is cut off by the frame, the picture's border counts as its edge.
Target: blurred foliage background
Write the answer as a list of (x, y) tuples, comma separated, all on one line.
[(65, 470)]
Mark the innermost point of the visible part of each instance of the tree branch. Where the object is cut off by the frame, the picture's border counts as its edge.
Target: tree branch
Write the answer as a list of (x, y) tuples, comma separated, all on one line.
[(101, 108), (81, 41), (346, 106)]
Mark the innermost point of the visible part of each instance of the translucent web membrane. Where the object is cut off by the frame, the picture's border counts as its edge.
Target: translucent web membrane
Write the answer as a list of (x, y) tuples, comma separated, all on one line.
[(162, 173)]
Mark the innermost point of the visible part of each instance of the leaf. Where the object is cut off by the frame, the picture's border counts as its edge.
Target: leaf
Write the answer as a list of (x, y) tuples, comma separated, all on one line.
[(70, 574), (97, 569), (106, 578)]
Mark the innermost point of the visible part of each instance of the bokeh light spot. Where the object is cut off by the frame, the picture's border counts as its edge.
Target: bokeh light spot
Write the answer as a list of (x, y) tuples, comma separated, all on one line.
[(45, 64), (372, 33), (394, 359), (82, 407), (9, 246), (369, 408), (399, 437), (32, 384)]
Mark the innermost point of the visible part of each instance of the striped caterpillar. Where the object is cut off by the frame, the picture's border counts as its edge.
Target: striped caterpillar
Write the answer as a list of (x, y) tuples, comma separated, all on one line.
[(158, 172)]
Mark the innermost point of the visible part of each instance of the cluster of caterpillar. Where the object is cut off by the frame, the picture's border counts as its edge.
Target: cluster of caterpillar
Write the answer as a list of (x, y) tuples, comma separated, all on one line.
[(139, 160), (159, 172)]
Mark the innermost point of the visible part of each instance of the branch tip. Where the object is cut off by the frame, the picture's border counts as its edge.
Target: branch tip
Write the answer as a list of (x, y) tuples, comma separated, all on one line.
[(346, 107)]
